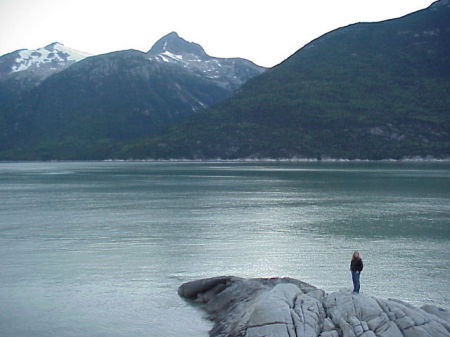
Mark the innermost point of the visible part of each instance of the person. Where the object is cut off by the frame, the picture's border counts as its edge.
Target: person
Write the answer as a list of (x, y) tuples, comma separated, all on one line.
[(356, 267)]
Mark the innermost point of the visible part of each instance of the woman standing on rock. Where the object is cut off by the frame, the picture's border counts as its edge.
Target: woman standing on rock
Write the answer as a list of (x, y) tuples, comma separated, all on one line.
[(356, 267)]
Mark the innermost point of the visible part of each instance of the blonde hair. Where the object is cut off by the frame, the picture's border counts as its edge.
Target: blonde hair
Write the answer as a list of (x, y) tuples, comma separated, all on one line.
[(356, 252)]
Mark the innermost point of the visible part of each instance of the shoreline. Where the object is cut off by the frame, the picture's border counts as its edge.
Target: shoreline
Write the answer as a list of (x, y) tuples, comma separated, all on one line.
[(244, 160)]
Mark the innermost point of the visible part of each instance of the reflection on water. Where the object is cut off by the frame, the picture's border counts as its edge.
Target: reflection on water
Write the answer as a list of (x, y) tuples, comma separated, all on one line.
[(99, 249)]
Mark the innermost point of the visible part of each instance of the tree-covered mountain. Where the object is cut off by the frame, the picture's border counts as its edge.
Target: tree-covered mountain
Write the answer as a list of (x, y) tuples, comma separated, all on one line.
[(368, 90), (86, 110)]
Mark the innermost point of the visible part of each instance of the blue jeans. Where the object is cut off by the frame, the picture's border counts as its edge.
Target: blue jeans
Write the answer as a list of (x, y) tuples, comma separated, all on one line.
[(355, 279)]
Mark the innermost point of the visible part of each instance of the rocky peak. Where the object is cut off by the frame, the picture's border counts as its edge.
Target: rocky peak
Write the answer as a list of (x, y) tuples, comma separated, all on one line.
[(54, 45), (174, 44)]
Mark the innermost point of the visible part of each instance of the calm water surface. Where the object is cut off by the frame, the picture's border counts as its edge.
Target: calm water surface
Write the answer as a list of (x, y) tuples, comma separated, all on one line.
[(99, 248)]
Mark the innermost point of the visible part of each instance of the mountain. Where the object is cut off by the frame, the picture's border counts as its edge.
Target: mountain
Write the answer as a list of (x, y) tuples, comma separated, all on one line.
[(40, 62), (229, 73), (24, 69), (87, 109), (368, 90)]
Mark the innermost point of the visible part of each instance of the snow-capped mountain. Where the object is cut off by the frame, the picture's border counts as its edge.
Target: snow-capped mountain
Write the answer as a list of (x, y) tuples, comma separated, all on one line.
[(55, 96), (229, 73), (40, 62)]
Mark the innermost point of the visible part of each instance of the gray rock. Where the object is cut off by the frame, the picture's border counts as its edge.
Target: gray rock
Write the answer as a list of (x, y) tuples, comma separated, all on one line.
[(204, 290), (328, 324), (271, 330), (439, 312), (273, 307), (442, 314), (333, 333), (308, 316), (285, 307)]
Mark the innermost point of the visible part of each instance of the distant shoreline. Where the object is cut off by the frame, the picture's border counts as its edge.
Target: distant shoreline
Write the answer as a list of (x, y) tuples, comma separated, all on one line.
[(287, 160), (247, 160)]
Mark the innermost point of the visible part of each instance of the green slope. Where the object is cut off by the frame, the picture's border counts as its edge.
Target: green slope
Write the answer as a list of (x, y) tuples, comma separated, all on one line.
[(85, 111), (369, 90), (89, 109)]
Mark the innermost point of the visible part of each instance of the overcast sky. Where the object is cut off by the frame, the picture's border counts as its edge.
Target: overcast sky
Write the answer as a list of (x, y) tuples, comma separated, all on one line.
[(264, 31)]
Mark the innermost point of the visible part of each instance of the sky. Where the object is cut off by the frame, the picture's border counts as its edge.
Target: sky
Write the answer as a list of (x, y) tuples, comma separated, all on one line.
[(264, 31)]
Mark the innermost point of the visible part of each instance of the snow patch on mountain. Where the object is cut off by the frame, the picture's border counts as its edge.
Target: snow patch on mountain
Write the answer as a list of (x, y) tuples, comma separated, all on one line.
[(234, 70), (168, 57), (173, 56), (54, 56), (227, 72)]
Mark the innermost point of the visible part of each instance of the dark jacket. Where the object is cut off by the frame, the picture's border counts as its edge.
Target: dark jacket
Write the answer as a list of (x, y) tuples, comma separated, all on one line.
[(356, 265)]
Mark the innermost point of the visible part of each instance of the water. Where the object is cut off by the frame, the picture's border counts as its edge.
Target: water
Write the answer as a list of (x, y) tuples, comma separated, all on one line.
[(99, 248)]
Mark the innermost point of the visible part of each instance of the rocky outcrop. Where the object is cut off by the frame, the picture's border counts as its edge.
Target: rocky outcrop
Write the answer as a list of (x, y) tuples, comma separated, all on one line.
[(285, 307)]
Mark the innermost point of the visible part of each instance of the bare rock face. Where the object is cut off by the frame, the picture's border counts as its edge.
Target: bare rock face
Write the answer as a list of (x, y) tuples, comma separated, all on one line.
[(285, 307)]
